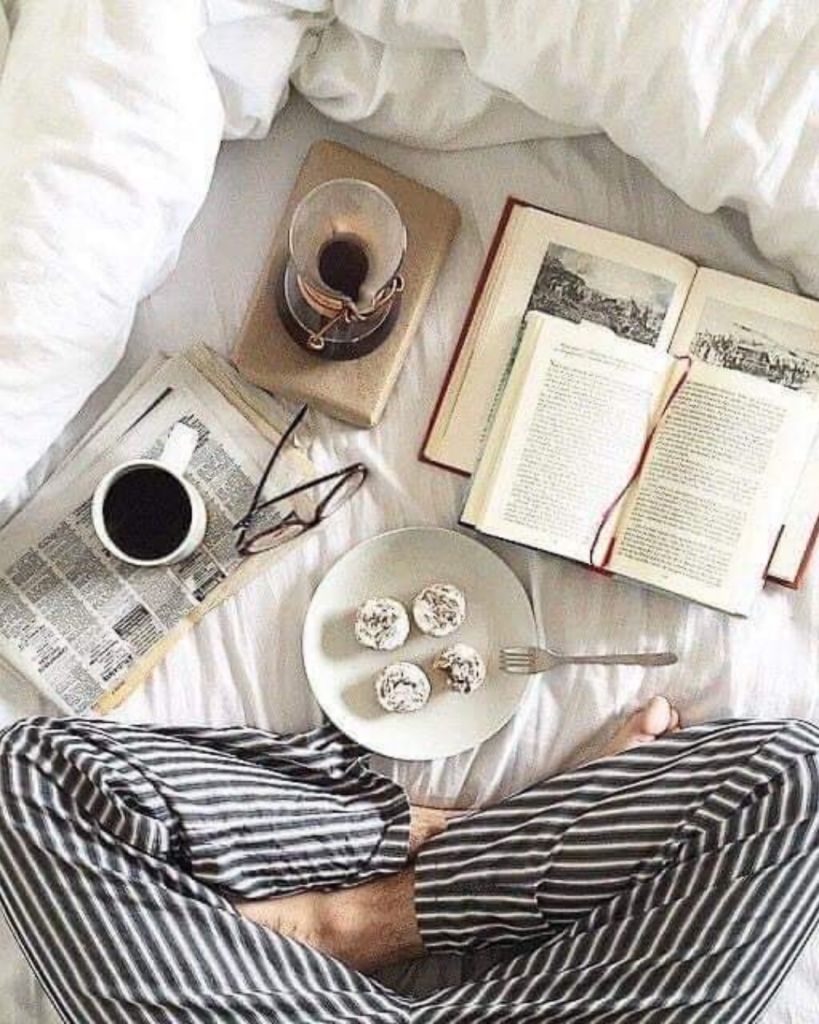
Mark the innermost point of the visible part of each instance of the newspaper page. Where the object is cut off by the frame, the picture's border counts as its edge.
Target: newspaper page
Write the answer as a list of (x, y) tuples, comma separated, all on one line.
[(76, 621)]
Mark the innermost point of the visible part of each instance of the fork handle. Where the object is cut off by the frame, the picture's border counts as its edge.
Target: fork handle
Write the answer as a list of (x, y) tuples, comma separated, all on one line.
[(661, 658)]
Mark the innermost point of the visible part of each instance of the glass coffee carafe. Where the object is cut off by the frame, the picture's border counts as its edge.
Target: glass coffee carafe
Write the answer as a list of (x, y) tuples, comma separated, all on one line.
[(341, 288)]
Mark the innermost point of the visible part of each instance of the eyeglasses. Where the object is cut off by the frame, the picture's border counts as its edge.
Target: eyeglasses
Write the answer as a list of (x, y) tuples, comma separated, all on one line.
[(257, 532)]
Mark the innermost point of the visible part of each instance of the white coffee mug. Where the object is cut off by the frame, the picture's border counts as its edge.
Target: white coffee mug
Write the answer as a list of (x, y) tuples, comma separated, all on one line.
[(174, 460)]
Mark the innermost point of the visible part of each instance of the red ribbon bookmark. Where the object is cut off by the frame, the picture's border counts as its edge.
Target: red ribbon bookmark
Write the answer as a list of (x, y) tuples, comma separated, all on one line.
[(637, 470)]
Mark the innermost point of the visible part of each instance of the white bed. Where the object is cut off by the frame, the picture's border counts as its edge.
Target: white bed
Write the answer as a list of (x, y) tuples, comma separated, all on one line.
[(243, 663)]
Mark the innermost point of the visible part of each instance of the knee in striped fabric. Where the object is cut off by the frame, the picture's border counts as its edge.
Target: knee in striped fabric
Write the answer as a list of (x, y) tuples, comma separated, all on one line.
[(75, 773), (243, 810), (673, 883), (116, 929), (569, 845), (713, 789), (759, 776)]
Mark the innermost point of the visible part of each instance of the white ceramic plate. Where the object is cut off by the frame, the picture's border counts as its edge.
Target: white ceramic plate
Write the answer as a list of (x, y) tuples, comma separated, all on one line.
[(398, 565)]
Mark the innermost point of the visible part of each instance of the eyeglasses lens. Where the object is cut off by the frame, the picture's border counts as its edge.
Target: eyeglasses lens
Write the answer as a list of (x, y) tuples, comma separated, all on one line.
[(341, 493), (272, 538)]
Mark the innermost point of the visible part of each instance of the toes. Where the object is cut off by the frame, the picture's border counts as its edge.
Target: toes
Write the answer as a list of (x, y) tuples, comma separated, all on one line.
[(657, 716)]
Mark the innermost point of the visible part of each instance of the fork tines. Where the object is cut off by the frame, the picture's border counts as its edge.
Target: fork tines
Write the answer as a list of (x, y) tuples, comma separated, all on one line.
[(518, 659)]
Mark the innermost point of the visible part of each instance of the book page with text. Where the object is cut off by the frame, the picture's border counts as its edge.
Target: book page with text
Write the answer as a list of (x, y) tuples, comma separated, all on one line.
[(773, 335), (720, 475), (579, 426), (567, 270)]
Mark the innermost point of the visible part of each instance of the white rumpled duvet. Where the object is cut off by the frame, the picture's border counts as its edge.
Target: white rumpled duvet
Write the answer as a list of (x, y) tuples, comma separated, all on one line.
[(111, 115), (111, 112)]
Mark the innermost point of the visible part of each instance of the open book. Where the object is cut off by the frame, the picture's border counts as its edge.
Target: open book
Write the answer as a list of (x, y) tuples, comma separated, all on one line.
[(656, 302), (674, 473)]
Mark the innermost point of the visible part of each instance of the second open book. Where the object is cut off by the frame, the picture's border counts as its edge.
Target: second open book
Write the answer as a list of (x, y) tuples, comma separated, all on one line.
[(695, 388), (710, 492)]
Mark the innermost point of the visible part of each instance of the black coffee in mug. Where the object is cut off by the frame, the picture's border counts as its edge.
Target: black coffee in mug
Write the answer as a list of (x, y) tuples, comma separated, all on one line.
[(147, 513)]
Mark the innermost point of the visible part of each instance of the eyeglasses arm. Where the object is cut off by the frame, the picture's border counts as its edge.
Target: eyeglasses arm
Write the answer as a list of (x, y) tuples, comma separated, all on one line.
[(356, 467), (247, 518)]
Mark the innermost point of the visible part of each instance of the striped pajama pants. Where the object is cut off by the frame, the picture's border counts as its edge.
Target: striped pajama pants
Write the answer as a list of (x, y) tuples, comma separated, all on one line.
[(673, 883)]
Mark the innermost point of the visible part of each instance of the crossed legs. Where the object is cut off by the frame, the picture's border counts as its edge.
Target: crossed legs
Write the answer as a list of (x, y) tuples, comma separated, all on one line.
[(676, 881), (375, 924)]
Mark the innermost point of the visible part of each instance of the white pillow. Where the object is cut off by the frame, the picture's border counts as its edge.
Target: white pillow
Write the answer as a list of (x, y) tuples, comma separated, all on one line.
[(110, 122)]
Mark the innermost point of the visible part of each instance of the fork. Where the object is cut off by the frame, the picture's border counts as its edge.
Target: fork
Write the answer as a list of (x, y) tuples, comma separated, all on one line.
[(527, 661)]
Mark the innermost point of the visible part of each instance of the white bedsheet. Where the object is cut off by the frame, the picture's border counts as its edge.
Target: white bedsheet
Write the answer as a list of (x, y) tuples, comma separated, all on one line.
[(726, 113), (243, 662)]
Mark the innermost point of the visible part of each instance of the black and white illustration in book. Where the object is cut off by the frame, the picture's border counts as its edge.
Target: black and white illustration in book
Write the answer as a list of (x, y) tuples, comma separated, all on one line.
[(765, 346), (577, 286)]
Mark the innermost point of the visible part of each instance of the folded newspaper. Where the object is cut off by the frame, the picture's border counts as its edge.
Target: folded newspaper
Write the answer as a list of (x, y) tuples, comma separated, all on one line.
[(86, 628)]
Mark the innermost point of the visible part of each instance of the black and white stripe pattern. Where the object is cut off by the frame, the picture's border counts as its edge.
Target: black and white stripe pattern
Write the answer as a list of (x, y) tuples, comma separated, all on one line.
[(674, 883)]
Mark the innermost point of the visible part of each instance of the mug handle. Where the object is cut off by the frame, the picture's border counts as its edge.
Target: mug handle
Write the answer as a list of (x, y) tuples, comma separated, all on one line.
[(179, 449)]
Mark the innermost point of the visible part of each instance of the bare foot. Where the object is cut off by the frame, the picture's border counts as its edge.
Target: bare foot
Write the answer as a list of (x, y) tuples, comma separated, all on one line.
[(657, 718)]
